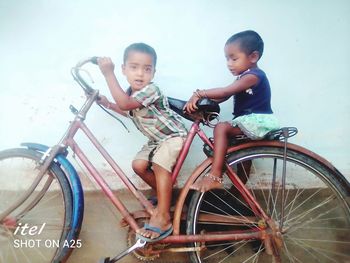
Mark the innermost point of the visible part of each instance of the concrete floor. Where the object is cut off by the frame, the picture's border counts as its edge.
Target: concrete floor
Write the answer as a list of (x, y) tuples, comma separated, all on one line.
[(102, 236)]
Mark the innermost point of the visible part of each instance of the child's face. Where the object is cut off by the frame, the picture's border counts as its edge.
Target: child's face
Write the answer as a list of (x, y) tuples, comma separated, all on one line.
[(138, 69), (237, 60)]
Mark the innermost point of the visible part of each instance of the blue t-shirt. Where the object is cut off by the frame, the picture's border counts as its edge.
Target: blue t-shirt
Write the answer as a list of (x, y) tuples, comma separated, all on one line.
[(256, 99)]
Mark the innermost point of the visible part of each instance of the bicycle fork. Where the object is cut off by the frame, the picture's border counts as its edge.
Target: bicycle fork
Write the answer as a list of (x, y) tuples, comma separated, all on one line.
[(139, 244)]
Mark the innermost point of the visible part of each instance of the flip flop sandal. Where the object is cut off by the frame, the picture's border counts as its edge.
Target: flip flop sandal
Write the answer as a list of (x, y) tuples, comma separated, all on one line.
[(162, 233)]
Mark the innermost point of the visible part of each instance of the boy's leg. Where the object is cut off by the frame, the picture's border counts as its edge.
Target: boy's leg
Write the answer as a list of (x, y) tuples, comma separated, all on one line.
[(142, 169), (163, 161), (161, 216), (141, 165), (222, 132)]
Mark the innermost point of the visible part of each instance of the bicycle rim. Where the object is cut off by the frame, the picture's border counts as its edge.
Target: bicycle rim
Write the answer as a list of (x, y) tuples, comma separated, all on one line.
[(315, 213), (35, 230)]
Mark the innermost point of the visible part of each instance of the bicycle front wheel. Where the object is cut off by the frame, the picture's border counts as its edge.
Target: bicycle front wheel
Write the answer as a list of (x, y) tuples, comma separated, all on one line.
[(313, 216), (33, 226)]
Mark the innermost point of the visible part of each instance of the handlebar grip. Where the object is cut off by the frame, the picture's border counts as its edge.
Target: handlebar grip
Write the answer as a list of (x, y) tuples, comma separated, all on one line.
[(94, 60)]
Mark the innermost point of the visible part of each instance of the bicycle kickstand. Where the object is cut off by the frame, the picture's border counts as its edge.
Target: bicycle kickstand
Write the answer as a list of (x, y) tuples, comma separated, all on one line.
[(139, 244)]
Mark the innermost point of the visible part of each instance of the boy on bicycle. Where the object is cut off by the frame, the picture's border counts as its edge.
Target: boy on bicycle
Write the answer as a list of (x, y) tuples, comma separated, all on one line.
[(146, 105), (253, 114)]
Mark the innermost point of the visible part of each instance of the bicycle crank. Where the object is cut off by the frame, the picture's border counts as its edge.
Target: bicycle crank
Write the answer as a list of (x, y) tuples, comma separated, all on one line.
[(139, 244)]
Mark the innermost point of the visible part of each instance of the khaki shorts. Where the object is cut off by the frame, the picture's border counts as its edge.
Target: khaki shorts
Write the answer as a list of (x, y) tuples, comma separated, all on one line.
[(164, 154)]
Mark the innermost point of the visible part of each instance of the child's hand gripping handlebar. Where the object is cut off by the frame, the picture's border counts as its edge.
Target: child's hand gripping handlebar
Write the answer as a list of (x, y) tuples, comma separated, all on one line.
[(86, 87)]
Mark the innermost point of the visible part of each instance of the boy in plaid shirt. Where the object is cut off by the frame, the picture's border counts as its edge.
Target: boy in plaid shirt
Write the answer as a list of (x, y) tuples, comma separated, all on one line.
[(149, 109)]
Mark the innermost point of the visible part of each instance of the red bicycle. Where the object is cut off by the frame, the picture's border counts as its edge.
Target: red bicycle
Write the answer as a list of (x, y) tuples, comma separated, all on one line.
[(288, 205)]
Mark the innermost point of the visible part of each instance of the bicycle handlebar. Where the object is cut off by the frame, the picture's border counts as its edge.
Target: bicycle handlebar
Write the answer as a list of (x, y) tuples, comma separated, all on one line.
[(77, 77), (86, 87)]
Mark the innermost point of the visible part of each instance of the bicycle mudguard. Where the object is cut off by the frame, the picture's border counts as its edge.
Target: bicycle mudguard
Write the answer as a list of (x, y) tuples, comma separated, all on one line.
[(295, 148), (74, 180)]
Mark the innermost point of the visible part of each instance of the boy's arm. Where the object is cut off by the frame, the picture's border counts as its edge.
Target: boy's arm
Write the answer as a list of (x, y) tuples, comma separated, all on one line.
[(114, 107), (109, 105), (221, 100), (221, 94), (123, 100)]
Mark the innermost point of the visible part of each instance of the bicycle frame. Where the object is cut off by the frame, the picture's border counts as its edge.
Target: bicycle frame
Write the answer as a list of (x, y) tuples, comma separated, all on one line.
[(176, 237), (68, 141)]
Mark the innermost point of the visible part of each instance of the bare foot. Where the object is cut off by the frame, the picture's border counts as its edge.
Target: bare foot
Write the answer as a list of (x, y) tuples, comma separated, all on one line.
[(207, 183), (157, 220)]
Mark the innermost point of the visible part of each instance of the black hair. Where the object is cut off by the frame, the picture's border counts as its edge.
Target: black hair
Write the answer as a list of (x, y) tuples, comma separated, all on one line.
[(249, 42), (141, 47)]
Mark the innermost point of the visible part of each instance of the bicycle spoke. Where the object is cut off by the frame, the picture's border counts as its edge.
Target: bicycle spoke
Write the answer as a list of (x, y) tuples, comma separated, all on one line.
[(307, 212), (219, 245), (13, 251), (303, 203), (262, 191), (39, 252), (289, 254), (293, 202), (233, 209), (321, 228), (343, 255), (246, 175), (238, 200), (306, 226), (252, 256), (302, 246), (274, 199), (218, 252), (317, 250), (320, 241), (256, 258), (224, 217), (241, 244)]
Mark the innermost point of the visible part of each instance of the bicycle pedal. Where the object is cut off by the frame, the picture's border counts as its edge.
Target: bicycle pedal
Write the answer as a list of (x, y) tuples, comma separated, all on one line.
[(139, 244)]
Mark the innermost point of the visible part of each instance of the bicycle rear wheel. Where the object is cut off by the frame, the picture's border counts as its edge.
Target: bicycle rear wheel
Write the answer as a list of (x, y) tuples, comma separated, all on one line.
[(315, 211), (36, 229)]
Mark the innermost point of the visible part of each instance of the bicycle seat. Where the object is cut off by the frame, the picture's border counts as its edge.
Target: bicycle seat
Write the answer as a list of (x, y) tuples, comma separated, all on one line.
[(207, 109), (274, 135), (281, 134)]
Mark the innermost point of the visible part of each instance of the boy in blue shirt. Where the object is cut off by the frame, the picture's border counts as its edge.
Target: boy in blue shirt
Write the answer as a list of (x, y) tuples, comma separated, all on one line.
[(252, 102)]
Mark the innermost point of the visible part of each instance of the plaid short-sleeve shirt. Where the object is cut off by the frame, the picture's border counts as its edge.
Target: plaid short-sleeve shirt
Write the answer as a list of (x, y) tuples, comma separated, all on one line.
[(155, 119)]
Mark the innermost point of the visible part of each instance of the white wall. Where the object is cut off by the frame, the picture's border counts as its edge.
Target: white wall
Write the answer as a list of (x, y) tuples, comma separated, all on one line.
[(306, 57)]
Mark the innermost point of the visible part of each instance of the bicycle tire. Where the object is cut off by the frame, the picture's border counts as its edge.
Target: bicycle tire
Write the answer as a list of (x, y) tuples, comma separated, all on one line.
[(316, 209), (36, 230)]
